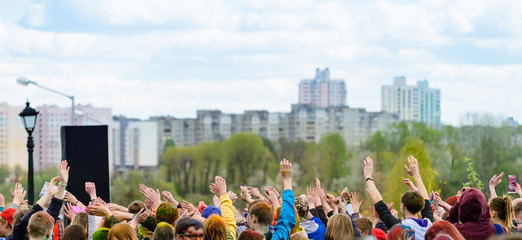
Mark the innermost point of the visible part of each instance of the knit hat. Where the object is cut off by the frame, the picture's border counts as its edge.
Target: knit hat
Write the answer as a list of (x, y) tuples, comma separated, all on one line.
[(210, 210), (7, 214), (302, 208), (379, 234)]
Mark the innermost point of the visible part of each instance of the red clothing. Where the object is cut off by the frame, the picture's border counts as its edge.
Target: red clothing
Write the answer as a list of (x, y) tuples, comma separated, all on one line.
[(471, 215)]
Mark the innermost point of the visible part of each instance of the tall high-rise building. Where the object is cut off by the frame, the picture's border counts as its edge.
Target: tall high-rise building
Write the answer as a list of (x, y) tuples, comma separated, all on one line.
[(412, 103), (322, 91)]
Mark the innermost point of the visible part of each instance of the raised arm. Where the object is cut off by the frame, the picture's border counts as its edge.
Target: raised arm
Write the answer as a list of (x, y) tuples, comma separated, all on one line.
[(413, 170), (219, 187), (287, 218), (372, 190), (493, 182)]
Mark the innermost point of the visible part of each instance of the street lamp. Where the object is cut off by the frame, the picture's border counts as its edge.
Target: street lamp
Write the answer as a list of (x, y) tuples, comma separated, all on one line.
[(28, 116), (24, 82)]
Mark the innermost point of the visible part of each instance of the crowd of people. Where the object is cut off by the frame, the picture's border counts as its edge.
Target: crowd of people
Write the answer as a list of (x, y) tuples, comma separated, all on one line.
[(269, 214)]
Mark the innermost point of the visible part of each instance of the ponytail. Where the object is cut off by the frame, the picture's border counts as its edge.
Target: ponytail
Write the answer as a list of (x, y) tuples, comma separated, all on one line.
[(508, 209)]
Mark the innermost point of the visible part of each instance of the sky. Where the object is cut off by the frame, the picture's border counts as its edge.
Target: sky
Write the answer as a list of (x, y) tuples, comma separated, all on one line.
[(166, 57)]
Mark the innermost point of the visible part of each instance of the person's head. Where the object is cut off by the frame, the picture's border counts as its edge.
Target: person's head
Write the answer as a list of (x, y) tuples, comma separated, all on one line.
[(210, 210), (6, 221), (122, 231), (187, 227), (339, 228), (364, 225), (298, 236), (400, 232), (74, 232), (517, 208), (412, 202), (501, 208), (135, 207), (302, 209), (40, 225), (167, 212), (260, 214), (251, 235), (163, 231), (101, 234), (82, 218), (20, 213), (443, 227), (214, 228)]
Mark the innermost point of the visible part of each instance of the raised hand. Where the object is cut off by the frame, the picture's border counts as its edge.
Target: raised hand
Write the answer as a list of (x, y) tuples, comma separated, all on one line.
[(368, 168), (345, 194), (64, 172), (191, 209), (90, 188), (153, 196), (167, 196), (286, 172), (254, 192), (413, 168), (18, 194), (217, 201), (143, 214), (273, 190), (271, 198), (68, 211), (356, 202), (219, 188), (245, 194), (518, 189), (70, 198), (51, 190), (495, 180), (98, 210), (232, 196), (310, 198), (410, 184)]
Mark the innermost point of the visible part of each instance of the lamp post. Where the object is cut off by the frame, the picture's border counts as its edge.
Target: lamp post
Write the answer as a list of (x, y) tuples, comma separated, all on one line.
[(28, 116), (24, 82)]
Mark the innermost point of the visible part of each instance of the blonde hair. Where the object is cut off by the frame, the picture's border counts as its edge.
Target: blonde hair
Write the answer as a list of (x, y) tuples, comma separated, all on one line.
[(504, 209), (339, 228), (82, 218), (299, 236)]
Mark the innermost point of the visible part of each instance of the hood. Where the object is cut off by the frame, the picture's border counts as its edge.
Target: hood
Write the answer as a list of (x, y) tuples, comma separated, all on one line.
[(310, 226), (473, 207)]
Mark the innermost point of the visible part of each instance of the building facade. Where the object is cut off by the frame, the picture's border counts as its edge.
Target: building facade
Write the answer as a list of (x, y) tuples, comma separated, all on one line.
[(412, 103), (13, 137), (322, 91)]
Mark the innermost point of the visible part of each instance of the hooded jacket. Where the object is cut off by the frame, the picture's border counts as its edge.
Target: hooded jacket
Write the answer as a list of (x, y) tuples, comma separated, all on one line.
[(471, 215)]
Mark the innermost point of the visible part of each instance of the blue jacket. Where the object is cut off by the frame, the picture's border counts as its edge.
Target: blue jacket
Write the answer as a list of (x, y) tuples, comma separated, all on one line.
[(286, 220)]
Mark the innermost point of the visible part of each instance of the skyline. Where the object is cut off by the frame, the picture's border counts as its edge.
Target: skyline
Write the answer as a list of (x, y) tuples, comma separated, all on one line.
[(166, 57)]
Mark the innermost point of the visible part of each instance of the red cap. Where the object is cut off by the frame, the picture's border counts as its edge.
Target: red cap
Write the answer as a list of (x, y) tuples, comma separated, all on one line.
[(7, 215), (379, 234)]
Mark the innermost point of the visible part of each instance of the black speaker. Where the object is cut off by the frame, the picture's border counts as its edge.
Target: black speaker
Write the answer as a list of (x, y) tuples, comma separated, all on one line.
[(86, 148)]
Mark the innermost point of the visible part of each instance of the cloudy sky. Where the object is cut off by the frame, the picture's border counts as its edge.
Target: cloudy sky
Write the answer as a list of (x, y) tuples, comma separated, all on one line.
[(159, 57)]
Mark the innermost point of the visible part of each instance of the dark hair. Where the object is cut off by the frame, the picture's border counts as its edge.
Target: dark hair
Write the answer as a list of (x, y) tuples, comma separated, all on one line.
[(185, 223), (364, 224), (413, 201), (136, 206), (74, 232), (164, 231)]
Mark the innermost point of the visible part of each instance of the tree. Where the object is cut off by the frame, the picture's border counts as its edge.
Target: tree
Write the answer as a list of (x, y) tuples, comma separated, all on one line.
[(245, 153), (332, 153), (393, 185)]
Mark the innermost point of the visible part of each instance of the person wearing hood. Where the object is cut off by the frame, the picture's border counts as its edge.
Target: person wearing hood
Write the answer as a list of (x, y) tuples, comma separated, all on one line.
[(313, 226), (412, 202), (471, 215)]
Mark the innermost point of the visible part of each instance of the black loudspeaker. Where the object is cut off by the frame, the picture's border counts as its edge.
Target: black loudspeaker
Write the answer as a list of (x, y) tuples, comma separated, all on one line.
[(86, 148)]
